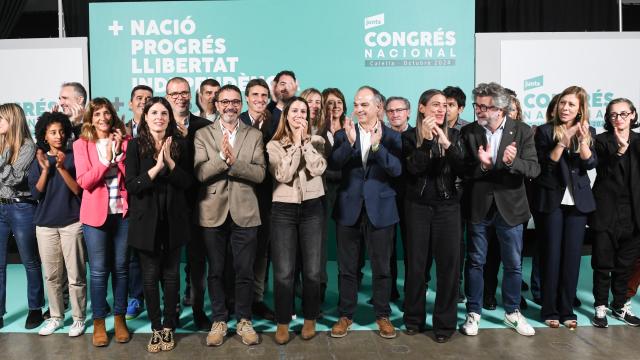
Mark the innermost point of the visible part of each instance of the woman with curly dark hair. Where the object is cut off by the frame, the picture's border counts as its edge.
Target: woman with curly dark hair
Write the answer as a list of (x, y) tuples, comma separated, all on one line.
[(57, 219), (157, 175)]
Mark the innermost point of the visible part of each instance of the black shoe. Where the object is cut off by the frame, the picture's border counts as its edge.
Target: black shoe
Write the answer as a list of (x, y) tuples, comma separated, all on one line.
[(201, 321), (262, 310), (413, 330), (442, 338), (34, 319), (1, 322), (599, 319), (576, 302), (523, 304), (490, 302), (370, 301), (625, 315)]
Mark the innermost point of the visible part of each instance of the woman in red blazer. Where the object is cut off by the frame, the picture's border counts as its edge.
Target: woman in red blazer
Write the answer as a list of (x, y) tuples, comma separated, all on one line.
[(99, 159)]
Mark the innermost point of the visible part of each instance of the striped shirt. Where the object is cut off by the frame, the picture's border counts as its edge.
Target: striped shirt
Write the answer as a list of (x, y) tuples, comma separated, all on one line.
[(111, 176)]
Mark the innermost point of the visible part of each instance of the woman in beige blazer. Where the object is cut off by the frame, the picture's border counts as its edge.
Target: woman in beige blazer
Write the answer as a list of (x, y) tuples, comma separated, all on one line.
[(297, 163)]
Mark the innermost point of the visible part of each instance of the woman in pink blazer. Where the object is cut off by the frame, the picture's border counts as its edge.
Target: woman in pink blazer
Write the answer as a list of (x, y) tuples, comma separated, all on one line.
[(99, 159)]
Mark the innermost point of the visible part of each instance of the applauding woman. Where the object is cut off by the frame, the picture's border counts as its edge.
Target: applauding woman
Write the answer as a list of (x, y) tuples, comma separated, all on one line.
[(562, 196), (432, 158), (57, 219), (297, 163), (157, 175), (99, 156), (17, 209), (616, 222)]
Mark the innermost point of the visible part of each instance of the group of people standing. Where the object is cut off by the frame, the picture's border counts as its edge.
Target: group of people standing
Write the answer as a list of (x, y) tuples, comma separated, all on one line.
[(242, 189)]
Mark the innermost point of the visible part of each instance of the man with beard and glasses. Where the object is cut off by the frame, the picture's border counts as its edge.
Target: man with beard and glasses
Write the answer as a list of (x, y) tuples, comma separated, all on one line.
[(229, 163), (179, 96), (284, 87), (499, 155)]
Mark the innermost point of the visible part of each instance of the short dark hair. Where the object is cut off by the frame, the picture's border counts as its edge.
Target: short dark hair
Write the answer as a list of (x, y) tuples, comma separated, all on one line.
[(256, 82), (455, 93), (79, 90), (407, 104), (607, 115), (282, 73), (227, 87), (177, 79), (141, 87), (209, 82), (46, 119)]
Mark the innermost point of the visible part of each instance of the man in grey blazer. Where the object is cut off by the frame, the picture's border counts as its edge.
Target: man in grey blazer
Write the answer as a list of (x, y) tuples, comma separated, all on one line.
[(499, 154), (229, 162)]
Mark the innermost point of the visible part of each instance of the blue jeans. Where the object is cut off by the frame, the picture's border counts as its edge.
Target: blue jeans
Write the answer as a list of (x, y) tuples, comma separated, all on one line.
[(510, 239), (18, 219), (107, 252)]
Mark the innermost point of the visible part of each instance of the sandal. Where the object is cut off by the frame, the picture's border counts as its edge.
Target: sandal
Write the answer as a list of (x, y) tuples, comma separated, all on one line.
[(571, 324), (554, 324)]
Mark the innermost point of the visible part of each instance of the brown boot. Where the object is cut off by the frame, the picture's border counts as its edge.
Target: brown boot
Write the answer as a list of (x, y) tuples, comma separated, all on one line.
[(282, 334), (341, 327), (308, 329), (120, 325), (99, 333)]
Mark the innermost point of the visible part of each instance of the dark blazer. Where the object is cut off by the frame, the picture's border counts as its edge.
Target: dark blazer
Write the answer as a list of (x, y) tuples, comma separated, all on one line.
[(550, 186), (422, 166), (398, 183), (195, 123), (502, 184), (143, 202), (266, 129), (610, 180), (370, 187)]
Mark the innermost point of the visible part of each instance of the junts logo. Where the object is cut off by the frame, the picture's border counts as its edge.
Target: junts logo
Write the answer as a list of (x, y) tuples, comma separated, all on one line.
[(373, 21)]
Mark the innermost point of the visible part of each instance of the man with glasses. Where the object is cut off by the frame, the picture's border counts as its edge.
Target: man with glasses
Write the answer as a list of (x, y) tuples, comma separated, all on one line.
[(499, 154), (398, 110), (179, 96), (229, 163)]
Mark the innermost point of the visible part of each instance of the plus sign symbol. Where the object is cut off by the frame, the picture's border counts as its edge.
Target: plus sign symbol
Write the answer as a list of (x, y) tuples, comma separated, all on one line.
[(115, 27), (117, 104)]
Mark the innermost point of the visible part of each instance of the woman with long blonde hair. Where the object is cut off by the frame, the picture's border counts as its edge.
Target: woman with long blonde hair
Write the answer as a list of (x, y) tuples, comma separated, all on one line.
[(17, 151), (563, 199)]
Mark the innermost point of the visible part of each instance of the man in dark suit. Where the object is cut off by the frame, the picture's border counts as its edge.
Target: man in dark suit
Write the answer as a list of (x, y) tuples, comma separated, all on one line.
[(257, 116), (398, 110), (499, 154), (368, 154), (179, 95), (140, 94), (284, 87)]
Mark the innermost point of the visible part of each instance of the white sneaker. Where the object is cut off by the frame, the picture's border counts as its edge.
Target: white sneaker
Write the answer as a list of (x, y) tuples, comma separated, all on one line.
[(50, 326), (517, 321), (470, 326), (77, 328)]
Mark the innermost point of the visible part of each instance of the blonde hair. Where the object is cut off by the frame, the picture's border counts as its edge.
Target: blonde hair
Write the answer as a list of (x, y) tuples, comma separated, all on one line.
[(319, 121), (582, 116), (424, 100), (88, 131), (18, 130)]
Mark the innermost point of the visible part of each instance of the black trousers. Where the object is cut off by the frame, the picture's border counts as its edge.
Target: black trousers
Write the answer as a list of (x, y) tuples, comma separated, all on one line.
[(242, 241), (612, 259), (435, 228), (297, 229), (197, 266), (378, 242), (162, 265), (394, 254)]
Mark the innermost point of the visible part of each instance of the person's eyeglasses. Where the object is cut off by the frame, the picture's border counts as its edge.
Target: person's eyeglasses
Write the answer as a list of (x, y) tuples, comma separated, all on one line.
[(175, 95), (483, 108), (624, 115), (226, 102), (393, 111)]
